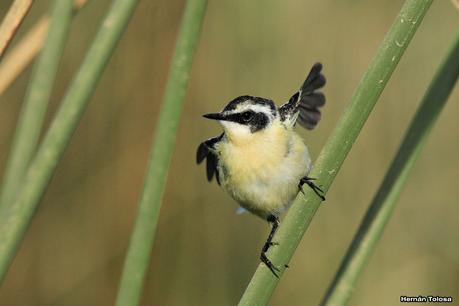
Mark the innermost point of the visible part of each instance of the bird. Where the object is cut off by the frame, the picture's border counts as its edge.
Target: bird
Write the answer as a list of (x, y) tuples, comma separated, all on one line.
[(259, 159)]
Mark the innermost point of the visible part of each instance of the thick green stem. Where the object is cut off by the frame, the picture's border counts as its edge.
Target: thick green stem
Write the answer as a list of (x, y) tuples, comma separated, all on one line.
[(33, 111), (384, 202), (138, 256), (15, 219), (337, 147)]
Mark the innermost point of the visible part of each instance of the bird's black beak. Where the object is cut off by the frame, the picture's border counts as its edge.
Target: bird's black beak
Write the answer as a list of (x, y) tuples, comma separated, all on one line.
[(215, 116)]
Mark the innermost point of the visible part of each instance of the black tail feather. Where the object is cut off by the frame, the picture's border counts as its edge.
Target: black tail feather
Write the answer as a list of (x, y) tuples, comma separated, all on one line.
[(314, 80), (303, 106), (310, 100)]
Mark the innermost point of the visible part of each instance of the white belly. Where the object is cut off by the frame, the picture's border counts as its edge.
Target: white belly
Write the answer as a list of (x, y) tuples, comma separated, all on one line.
[(263, 176)]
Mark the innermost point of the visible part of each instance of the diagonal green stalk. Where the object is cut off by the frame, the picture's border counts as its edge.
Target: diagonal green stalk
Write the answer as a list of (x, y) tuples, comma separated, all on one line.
[(16, 217), (36, 101), (141, 242), (337, 147), (25, 49), (383, 204), (12, 21)]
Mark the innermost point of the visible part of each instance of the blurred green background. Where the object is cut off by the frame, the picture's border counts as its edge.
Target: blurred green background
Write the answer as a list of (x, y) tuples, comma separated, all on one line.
[(204, 253)]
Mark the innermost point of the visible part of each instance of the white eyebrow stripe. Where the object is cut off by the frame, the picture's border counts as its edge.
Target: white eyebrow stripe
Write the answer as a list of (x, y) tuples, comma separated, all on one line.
[(253, 107)]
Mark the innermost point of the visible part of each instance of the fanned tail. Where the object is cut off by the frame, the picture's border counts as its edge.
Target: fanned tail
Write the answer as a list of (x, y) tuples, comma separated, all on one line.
[(303, 106)]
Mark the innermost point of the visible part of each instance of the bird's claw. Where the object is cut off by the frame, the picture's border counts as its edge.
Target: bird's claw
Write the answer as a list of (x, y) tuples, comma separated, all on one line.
[(308, 181), (274, 270)]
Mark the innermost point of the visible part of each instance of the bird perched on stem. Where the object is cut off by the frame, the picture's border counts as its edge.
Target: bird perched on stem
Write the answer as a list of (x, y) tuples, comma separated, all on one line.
[(259, 159)]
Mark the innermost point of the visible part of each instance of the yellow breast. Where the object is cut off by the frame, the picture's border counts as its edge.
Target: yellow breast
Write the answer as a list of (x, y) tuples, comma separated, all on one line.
[(262, 171)]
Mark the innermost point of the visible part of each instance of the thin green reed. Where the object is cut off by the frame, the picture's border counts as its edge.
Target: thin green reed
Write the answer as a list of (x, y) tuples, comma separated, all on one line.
[(292, 229), (15, 219), (138, 256), (11, 22), (36, 101), (382, 206)]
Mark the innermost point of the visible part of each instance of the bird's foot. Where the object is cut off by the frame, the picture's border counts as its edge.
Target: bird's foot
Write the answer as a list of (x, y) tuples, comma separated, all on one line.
[(309, 181), (275, 270)]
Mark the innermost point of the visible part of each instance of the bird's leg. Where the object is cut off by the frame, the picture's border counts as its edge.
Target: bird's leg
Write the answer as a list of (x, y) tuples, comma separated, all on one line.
[(274, 225), (269, 242), (309, 181)]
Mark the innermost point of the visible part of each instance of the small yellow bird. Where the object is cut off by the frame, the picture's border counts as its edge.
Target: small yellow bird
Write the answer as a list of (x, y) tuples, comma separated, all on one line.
[(259, 159)]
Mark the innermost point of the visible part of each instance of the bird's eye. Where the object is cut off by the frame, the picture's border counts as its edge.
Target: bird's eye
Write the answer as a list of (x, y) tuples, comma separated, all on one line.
[(247, 116)]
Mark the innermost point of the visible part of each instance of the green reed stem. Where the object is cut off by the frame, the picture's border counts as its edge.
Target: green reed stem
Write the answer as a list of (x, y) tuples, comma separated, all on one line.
[(36, 101), (12, 21), (337, 147), (382, 206), (139, 251), (15, 219)]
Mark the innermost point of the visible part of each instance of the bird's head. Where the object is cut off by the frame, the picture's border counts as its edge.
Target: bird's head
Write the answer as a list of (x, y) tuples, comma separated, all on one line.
[(245, 116)]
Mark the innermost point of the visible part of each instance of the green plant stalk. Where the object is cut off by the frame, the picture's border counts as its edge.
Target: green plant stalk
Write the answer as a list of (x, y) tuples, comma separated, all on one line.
[(141, 242), (337, 147), (25, 49), (383, 204), (36, 101), (15, 219), (12, 21)]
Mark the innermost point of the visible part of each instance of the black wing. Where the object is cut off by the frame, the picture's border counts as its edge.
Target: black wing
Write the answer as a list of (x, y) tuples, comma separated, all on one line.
[(306, 101), (206, 151)]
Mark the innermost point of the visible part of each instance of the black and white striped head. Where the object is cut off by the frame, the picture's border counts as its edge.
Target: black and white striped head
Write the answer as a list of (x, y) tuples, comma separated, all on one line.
[(246, 115)]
